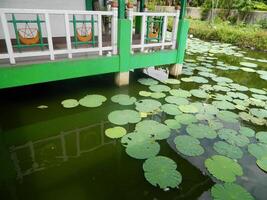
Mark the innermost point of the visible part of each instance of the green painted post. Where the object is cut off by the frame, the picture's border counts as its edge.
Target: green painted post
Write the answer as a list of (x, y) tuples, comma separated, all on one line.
[(121, 9), (16, 31), (75, 31), (183, 9), (40, 32), (138, 19), (89, 4)]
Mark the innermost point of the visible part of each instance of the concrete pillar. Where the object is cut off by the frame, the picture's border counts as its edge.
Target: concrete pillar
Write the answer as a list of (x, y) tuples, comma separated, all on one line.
[(176, 69), (122, 78)]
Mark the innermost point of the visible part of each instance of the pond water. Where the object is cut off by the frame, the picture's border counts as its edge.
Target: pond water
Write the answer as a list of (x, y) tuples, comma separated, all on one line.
[(48, 151)]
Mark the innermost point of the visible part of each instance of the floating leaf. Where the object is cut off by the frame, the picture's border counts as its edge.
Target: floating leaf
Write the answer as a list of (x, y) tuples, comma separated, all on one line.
[(115, 132), (147, 105), (222, 79), (93, 100), (201, 131), (123, 99), (154, 129), (262, 163), (248, 132), (43, 106), (122, 117), (172, 81), (228, 116), (262, 136), (188, 108), (158, 95), (172, 124), (258, 112), (230, 191), (180, 93), (159, 88), (258, 150), (171, 109), (145, 93), (232, 137), (228, 150), (224, 105), (186, 118), (140, 146), (147, 81), (161, 171), (176, 100), (199, 93), (188, 145), (223, 168), (70, 103), (248, 64)]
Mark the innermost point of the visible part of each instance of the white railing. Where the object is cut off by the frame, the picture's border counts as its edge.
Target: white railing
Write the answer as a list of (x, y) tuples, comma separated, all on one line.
[(8, 31), (163, 43)]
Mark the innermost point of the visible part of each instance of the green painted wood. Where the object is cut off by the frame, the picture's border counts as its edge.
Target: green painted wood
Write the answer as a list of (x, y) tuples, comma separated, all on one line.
[(121, 10), (89, 4), (58, 70), (124, 40), (182, 33), (183, 9)]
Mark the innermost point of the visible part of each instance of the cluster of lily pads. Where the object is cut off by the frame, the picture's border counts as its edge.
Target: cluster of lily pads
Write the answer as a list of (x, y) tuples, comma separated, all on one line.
[(89, 101)]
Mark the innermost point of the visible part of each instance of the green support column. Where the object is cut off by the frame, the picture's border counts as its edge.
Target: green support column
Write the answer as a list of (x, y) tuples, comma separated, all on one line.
[(89, 4), (138, 19)]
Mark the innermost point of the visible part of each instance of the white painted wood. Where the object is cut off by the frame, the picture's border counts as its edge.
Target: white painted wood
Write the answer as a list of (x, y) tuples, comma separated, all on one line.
[(99, 21), (4, 56), (68, 39), (114, 30), (175, 29), (130, 17), (159, 14), (143, 32), (164, 30), (63, 146), (137, 46), (7, 38), (49, 36)]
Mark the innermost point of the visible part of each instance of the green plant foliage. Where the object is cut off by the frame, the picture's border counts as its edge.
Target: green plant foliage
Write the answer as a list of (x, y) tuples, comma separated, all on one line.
[(171, 109), (172, 81), (123, 99), (201, 131), (258, 150), (159, 88), (258, 112), (262, 163), (232, 137), (145, 93), (147, 105), (223, 168), (190, 108), (180, 93), (228, 116), (222, 79), (188, 145), (154, 129), (262, 136), (147, 81), (224, 105), (228, 150), (176, 100), (248, 132), (230, 191), (186, 118), (161, 171), (172, 124), (199, 93), (122, 117), (158, 95), (70, 103), (115, 132), (248, 64), (93, 100)]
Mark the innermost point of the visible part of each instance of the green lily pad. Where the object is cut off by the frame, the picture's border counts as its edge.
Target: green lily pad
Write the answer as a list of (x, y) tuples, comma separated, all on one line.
[(228, 150), (180, 93), (215, 124), (248, 132), (188, 108), (122, 117), (43, 106), (70, 103), (222, 79), (230, 191), (145, 93), (171, 109), (262, 163), (262, 136), (223, 168), (147, 81), (188, 145), (172, 124), (176, 100), (186, 118), (199, 79), (228, 116), (93, 100), (154, 129), (115, 132), (147, 105), (232, 137), (248, 64), (199, 93), (201, 131), (157, 95), (161, 171), (140, 146), (258, 150), (224, 105), (172, 81), (258, 112), (123, 99), (159, 88)]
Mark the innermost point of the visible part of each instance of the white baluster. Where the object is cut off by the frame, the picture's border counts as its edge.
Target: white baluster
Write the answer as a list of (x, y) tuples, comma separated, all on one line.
[(114, 29), (164, 30), (99, 21), (175, 28), (68, 37), (49, 37)]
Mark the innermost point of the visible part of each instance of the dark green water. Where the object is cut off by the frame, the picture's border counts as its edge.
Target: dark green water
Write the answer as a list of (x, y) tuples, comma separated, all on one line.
[(59, 153)]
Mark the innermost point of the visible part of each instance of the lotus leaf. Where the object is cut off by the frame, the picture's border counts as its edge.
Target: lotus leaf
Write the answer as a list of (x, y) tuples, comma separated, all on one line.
[(123, 99), (154, 129), (93, 100), (257, 91), (172, 124), (70, 103), (115, 132), (232, 137), (222, 79), (199, 93), (171, 109), (186, 118), (147, 81), (145, 93), (230, 191), (223, 168), (188, 108), (262, 136), (201, 131), (224, 105), (161, 171), (159, 88), (176, 100), (147, 105), (122, 117), (188, 145), (172, 81), (248, 64), (258, 150), (258, 112), (262, 163), (248, 132), (228, 150), (157, 95), (227, 116), (180, 93), (140, 145)]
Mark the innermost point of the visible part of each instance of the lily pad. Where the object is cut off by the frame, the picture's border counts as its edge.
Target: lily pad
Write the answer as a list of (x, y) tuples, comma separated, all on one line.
[(262, 136), (122, 117), (147, 81), (123, 99), (223, 168), (199, 93), (224, 105), (140, 146), (230, 191), (70, 103), (248, 64), (154, 129), (176, 100), (145, 93), (228, 150), (188, 145), (258, 150), (171, 109), (262, 163), (228, 116), (115, 132), (147, 105), (159, 88), (201, 131), (172, 124), (157, 95), (232, 137), (188, 108), (248, 132), (93, 100), (180, 93), (186, 118), (172, 81), (161, 171)]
